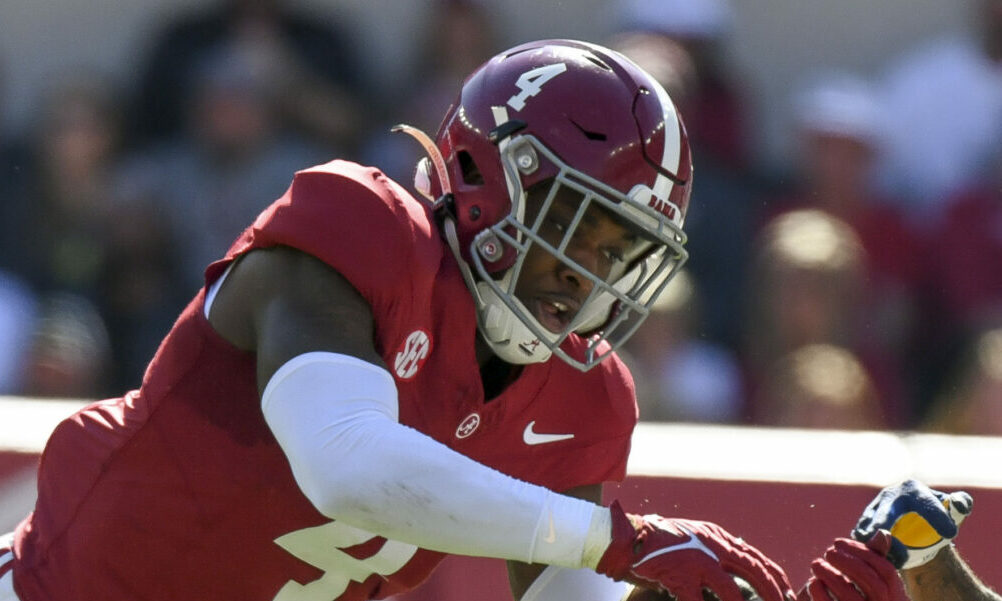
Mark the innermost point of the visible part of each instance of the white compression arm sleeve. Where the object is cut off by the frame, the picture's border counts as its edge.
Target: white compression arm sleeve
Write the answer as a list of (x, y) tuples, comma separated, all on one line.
[(335, 417)]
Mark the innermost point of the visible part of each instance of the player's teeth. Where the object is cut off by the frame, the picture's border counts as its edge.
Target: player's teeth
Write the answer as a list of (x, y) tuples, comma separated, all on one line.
[(560, 306)]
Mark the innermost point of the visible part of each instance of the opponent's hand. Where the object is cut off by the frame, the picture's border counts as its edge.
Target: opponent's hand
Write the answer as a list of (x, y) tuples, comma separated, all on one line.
[(854, 571), (921, 520), (683, 557)]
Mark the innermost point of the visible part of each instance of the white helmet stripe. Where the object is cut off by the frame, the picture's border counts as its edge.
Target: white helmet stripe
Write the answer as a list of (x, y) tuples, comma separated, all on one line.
[(500, 114), (673, 143)]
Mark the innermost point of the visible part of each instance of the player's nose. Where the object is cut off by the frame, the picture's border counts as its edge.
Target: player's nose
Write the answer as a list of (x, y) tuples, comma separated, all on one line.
[(588, 259)]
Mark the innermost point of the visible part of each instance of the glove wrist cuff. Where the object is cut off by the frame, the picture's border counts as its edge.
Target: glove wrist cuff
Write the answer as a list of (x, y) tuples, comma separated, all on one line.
[(617, 559), (920, 557)]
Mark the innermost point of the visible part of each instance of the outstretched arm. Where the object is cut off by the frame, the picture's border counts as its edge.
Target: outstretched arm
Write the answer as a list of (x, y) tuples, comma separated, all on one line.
[(923, 523), (909, 528), (946, 578)]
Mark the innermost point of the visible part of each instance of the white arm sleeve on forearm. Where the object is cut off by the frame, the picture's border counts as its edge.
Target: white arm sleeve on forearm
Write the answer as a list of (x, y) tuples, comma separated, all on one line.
[(564, 584), (335, 417)]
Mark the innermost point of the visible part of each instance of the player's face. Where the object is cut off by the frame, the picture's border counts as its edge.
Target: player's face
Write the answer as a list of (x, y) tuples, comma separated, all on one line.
[(551, 289)]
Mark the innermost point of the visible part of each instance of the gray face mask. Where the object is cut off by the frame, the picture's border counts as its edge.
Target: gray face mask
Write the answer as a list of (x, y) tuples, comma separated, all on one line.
[(619, 298)]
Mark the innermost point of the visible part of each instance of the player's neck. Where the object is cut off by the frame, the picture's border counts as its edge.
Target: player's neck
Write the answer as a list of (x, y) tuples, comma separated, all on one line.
[(483, 350), (495, 374)]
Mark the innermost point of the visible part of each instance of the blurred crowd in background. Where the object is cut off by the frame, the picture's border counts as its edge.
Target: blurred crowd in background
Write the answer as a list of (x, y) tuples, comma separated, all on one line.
[(858, 287)]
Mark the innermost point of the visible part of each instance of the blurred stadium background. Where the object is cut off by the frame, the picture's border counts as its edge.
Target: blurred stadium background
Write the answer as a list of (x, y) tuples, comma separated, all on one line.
[(775, 43)]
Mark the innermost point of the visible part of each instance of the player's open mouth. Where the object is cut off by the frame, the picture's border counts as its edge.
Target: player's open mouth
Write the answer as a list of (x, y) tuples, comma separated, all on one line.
[(555, 312)]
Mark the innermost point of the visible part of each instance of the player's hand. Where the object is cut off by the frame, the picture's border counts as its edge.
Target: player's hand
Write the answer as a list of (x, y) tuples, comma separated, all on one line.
[(853, 571), (921, 520), (683, 557)]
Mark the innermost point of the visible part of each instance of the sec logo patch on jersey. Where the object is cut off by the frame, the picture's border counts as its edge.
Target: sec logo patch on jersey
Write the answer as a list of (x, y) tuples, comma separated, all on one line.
[(468, 426), (412, 354)]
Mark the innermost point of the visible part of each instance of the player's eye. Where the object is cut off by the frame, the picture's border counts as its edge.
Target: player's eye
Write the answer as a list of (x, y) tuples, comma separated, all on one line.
[(554, 229), (557, 224), (613, 255)]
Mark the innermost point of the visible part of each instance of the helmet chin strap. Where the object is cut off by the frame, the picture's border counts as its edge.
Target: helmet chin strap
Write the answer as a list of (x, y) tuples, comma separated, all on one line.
[(507, 335), (437, 160)]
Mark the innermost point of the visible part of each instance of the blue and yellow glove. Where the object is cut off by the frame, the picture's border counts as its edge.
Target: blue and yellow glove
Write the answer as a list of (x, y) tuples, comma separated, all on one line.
[(921, 521)]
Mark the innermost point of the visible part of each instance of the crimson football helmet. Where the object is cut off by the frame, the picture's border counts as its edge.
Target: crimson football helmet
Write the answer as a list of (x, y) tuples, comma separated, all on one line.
[(562, 115)]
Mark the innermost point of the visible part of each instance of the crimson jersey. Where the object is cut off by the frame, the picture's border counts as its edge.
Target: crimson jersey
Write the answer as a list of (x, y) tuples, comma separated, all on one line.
[(180, 491)]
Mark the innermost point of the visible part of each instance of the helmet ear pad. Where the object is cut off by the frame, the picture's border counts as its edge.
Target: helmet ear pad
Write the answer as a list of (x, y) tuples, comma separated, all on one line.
[(507, 334)]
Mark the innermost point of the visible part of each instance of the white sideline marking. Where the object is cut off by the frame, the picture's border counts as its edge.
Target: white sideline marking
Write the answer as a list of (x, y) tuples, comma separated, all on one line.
[(814, 456), (701, 451), (25, 424)]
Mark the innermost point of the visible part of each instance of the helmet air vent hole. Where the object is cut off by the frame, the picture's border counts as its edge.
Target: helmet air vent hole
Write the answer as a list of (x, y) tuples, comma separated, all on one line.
[(598, 62), (471, 174), (591, 135)]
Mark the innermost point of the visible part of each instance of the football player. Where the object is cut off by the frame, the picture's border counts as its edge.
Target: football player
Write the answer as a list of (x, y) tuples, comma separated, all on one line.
[(907, 530), (368, 382)]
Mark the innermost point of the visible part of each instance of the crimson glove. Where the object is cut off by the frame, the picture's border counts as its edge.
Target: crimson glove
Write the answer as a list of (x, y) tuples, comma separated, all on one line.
[(855, 571), (683, 557)]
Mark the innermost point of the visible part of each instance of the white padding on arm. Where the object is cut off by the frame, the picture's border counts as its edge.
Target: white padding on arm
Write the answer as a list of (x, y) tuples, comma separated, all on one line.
[(564, 584), (335, 418)]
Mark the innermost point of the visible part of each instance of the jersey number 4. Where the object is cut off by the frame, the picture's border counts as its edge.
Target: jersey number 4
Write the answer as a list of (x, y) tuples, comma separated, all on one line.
[(321, 546), (531, 83)]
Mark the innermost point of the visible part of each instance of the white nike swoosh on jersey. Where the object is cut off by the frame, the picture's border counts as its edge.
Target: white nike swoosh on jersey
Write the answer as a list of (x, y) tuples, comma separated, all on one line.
[(534, 438)]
